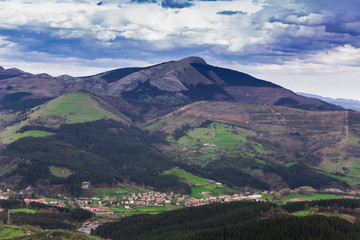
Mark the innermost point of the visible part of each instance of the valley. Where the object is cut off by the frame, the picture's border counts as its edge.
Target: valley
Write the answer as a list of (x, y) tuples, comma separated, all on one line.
[(166, 138)]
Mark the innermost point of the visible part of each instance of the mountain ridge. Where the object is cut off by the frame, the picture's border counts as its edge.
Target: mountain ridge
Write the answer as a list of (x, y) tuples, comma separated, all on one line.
[(175, 82)]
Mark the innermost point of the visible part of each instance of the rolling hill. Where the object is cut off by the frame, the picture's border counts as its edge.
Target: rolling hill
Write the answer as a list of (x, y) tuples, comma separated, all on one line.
[(76, 107), (267, 142)]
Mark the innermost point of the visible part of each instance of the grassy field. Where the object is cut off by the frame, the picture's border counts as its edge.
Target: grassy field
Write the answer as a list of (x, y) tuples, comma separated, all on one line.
[(353, 140), (324, 169), (205, 144), (349, 180), (122, 189), (25, 210), (9, 232), (350, 167), (316, 196), (74, 107), (307, 212), (32, 133), (201, 187), (289, 164), (341, 215), (218, 136), (302, 213), (145, 210), (60, 172)]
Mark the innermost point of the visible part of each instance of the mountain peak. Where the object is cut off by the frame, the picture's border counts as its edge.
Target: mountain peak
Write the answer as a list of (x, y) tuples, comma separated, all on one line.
[(193, 60), (1, 68), (13, 71)]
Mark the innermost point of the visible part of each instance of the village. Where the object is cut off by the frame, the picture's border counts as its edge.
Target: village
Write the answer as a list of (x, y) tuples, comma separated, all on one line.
[(133, 201), (112, 204), (125, 202)]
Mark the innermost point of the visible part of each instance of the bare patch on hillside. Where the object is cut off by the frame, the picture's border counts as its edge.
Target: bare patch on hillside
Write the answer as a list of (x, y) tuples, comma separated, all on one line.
[(231, 117)]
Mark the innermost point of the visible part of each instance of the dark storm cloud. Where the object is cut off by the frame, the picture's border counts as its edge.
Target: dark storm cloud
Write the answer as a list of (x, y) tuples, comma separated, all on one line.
[(352, 28), (231, 12), (343, 16), (176, 4)]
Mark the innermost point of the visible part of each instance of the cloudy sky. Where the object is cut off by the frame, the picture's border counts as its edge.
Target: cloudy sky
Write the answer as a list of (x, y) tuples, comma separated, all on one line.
[(304, 45)]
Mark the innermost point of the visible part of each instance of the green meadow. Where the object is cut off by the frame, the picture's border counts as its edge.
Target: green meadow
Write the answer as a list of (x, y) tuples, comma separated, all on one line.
[(73, 108), (121, 189), (315, 196), (76, 107), (10, 232), (60, 172), (25, 210), (205, 144), (31, 133), (201, 187), (307, 212), (353, 140)]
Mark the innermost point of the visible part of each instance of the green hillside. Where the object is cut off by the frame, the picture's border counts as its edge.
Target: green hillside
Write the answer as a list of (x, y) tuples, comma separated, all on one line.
[(76, 107), (266, 142), (103, 151), (200, 187)]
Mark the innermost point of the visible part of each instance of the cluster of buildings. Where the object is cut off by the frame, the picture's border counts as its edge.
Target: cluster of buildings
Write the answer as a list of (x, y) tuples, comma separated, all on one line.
[(54, 203), (151, 198), (194, 202), (8, 193)]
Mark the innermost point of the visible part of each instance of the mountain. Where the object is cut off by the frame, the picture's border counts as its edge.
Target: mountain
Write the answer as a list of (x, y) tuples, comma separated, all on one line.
[(135, 124), (280, 146), (192, 79), (345, 103), (171, 84)]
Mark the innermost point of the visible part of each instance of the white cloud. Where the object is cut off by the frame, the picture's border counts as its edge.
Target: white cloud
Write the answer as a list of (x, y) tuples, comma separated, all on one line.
[(332, 73), (199, 24), (37, 62), (278, 38)]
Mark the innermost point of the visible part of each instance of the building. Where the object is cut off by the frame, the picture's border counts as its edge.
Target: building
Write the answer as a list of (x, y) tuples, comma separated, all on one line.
[(85, 185)]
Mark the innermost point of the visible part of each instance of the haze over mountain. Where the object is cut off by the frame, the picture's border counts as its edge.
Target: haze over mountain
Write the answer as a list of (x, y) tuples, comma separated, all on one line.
[(345, 103)]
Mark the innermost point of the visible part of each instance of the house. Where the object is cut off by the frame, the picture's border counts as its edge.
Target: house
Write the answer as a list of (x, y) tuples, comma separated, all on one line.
[(85, 185), (85, 224), (28, 201), (255, 196), (57, 204)]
